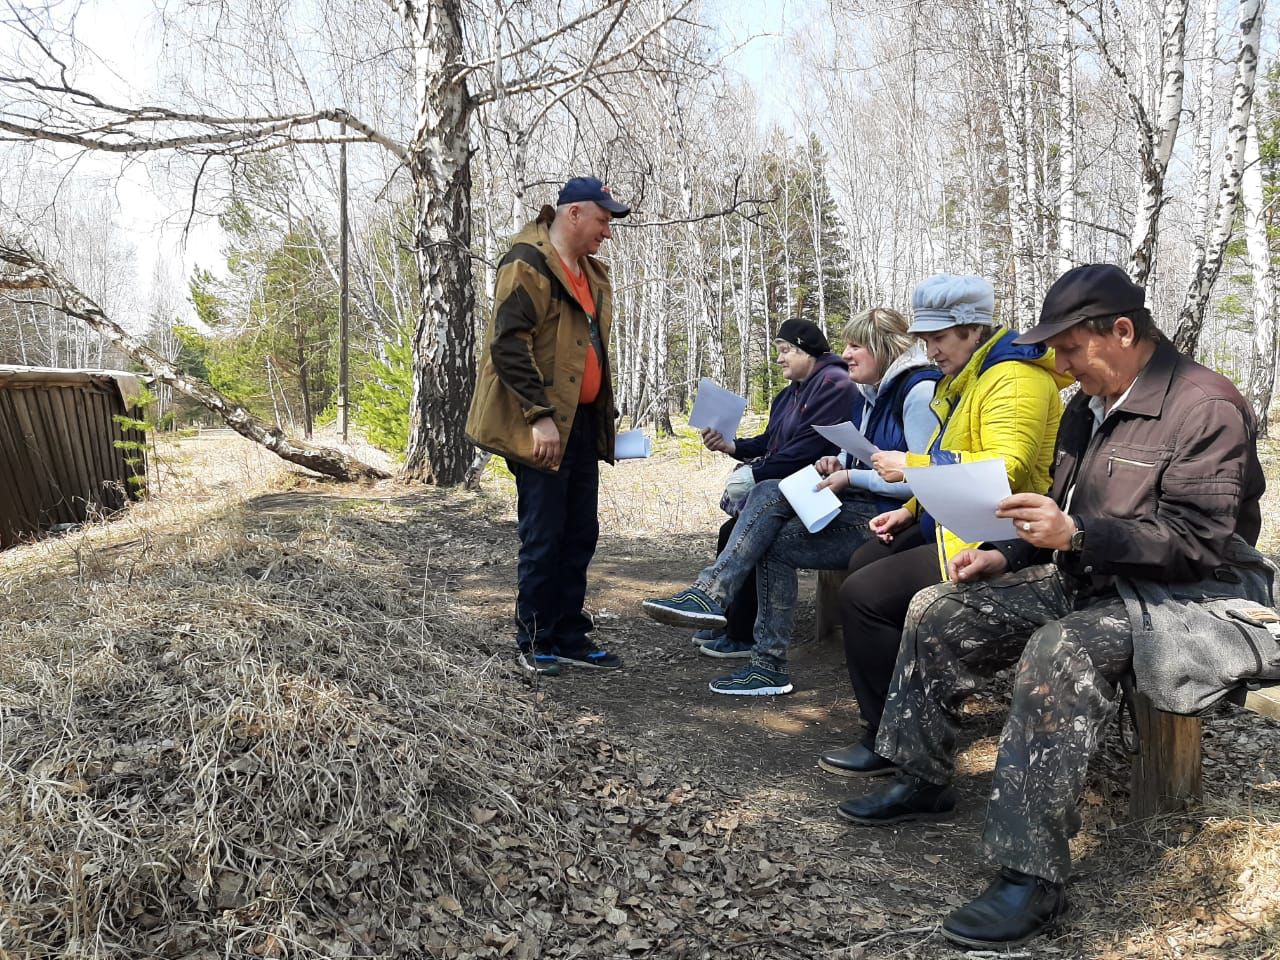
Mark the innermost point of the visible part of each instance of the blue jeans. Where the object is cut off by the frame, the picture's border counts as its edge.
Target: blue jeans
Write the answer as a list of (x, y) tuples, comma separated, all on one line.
[(558, 525), (770, 541)]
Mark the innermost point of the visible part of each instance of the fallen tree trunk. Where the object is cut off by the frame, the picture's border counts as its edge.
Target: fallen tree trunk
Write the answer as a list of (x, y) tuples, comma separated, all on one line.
[(36, 273)]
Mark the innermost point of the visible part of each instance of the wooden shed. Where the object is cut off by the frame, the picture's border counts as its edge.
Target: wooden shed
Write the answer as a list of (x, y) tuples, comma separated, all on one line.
[(59, 462)]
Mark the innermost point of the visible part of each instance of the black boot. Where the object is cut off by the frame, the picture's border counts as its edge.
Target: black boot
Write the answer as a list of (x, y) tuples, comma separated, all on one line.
[(855, 761), (908, 799), (1015, 908)]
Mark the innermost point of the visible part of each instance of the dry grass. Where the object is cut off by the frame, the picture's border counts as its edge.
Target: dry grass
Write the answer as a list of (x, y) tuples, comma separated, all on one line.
[(243, 740), (227, 736)]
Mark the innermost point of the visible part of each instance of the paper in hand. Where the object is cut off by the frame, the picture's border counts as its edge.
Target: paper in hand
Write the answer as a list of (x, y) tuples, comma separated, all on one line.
[(848, 437), (715, 408), (963, 497), (815, 508), (632, 445)]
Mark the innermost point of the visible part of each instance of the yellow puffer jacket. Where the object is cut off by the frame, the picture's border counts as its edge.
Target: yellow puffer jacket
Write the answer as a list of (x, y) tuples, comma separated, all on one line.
[(1003, 403)]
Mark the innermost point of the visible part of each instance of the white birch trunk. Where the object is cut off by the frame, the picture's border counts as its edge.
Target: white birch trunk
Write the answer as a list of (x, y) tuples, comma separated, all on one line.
[(444, 342), (1209, 258), (1204, 125), (72, 303), (1156, 140), (1262, 375), (1066, 240)]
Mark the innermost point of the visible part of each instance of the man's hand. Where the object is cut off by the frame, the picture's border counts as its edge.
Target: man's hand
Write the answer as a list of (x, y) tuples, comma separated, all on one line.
[(1038, 520), (713, 440), (974, 564), (887, 524), (890, 464), (546, 442), (826, 466), (835, 481)]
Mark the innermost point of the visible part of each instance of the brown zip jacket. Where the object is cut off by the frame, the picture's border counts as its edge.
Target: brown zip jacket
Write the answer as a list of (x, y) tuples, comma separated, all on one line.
[(1165, 481), (535, 350)]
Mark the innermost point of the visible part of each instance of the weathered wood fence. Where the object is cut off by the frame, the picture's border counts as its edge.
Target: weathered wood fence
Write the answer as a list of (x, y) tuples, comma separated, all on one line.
[(59, 462)]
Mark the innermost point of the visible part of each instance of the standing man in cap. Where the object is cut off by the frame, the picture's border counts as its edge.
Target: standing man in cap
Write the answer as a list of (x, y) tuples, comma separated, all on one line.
[(544, 401), (1156, 481)]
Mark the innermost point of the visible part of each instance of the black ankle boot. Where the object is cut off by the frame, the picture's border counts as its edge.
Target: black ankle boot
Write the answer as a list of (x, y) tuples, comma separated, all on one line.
[(1013, 909), (907, 799), (857, 760)]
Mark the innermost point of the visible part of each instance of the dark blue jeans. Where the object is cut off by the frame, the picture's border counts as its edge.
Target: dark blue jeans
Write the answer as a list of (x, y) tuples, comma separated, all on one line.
[(558, 526)]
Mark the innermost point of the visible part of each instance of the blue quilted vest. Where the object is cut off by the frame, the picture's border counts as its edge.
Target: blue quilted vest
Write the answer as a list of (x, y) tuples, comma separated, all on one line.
[(884, 426)]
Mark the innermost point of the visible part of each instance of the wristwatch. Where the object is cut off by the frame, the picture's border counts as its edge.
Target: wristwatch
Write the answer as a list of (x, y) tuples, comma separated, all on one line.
[(1077, 538)]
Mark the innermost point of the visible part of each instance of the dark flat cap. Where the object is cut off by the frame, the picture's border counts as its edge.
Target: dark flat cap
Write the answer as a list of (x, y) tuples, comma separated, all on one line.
[(1093, 290)]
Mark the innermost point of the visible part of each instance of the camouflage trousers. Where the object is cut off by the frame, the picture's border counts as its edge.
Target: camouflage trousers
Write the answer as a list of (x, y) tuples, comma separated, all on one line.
[(1071, 651)]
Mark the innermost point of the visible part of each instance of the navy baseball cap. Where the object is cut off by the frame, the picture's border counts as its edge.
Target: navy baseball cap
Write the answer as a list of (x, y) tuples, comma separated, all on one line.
[(589, 188)]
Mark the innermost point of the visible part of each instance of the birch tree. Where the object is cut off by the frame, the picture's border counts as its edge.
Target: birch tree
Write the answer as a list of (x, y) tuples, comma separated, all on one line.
[(1156, 132), (1066, 240), (446, 89), (1208, 261), (1263, 371)]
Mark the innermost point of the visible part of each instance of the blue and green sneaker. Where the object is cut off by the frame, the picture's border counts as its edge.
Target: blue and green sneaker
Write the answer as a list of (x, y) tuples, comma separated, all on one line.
[(688, 608), (702, 636), (753, 680)]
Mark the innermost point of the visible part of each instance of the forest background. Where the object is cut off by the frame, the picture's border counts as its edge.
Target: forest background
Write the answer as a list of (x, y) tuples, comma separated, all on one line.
[(865, 147)]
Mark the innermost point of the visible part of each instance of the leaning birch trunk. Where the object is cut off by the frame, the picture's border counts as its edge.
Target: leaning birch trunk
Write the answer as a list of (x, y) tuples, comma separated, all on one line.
[(440, 165), (1209, 259), (73, 303), (1066, 145), (1262, 376), (1156, 141)]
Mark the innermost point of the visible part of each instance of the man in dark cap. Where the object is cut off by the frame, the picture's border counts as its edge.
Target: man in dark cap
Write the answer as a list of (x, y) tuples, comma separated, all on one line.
[(1156, 482), (544, 401)]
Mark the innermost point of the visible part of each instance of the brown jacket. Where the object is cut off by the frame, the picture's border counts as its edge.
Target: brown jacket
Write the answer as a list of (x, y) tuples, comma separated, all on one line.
[(1167, 479), (537, 342)]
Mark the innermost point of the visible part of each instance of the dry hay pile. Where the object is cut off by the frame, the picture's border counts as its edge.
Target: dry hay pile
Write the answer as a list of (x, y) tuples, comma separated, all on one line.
[(247, 744)]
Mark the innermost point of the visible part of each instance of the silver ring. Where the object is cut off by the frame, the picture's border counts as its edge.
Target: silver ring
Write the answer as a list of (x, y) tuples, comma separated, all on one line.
[(1026, 526)]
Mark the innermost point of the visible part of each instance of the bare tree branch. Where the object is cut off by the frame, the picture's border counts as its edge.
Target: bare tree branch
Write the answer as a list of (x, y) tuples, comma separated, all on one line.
[(121, 135), (35, 273)]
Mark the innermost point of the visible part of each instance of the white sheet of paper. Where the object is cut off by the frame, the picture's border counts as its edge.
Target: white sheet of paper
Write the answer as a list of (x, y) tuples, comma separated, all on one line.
[(632, 445), (963, 497), (848, 437), (815, 508), (718, 409)]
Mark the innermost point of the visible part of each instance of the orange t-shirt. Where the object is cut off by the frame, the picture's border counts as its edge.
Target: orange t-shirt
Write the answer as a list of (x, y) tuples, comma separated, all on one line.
[(581, 291)]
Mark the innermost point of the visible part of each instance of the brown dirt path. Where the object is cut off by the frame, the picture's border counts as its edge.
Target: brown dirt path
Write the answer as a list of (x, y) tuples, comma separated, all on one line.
[(762, 752)]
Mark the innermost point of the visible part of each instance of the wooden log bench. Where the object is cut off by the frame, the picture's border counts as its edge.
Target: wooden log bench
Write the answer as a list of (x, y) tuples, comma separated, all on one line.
[(826, 608), (1166, 773)]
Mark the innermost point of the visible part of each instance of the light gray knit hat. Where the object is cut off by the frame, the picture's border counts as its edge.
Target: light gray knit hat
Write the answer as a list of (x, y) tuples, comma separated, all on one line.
[(945, 300)]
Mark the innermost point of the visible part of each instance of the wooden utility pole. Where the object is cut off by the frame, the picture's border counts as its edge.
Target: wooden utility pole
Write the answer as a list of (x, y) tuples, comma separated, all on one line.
[(344, 409)]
